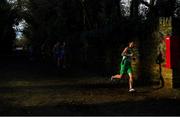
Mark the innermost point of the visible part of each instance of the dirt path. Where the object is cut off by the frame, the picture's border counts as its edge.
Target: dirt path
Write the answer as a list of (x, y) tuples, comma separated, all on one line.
[(31, 89), (79, 97)]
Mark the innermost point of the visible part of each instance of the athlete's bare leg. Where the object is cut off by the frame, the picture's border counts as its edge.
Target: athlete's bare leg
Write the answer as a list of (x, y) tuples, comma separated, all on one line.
[(118, 76), (131, 82)]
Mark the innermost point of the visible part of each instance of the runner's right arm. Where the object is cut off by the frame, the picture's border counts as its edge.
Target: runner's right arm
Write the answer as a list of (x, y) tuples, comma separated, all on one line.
[(124, 53)]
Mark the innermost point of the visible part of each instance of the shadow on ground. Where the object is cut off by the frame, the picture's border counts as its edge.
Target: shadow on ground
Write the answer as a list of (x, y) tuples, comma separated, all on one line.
[(21, 70), (147, 107)]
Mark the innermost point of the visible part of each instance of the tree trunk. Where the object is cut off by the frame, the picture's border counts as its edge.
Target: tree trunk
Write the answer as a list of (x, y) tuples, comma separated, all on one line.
[(148, 49)]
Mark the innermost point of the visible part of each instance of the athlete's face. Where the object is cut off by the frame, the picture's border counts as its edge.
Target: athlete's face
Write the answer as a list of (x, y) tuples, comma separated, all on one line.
[(131, 44)]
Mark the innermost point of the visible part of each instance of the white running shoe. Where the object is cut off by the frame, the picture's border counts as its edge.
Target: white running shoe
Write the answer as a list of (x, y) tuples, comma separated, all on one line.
[(131, 90)]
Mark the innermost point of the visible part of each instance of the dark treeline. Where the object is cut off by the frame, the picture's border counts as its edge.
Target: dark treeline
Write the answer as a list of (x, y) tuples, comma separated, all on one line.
[(95, 30), (7, 19)]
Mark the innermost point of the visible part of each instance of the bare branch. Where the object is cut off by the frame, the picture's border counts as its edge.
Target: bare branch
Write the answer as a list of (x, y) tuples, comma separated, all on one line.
[(155, 2), (145, 3)]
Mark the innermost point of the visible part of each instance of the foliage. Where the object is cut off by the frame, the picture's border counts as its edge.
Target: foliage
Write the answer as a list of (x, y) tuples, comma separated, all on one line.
[(95, 31), (7, 34)]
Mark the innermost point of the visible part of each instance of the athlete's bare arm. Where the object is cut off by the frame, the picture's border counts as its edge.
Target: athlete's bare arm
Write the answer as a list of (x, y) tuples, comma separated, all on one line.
[(124, 53)]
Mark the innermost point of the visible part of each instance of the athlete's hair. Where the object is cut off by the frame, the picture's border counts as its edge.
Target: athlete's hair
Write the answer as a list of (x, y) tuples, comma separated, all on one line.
[(131, 42)]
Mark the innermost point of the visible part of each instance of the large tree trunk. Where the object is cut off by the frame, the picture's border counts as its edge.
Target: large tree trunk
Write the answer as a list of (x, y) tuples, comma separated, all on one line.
[(148, 45), (148, 42), (175, 52)]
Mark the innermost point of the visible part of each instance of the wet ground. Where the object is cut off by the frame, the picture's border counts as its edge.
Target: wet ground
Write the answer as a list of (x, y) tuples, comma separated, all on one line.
[(37, 88)]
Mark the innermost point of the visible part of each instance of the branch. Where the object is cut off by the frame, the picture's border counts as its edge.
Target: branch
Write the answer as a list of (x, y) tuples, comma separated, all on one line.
[(145, 3), (155, 2), (152, 2)]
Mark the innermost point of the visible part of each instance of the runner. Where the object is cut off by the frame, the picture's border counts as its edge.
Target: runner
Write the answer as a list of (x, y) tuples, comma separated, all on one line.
[(125, 66), (59, 53)]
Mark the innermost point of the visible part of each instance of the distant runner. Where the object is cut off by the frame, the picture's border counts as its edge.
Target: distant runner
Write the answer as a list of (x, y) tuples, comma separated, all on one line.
[(59, 53)]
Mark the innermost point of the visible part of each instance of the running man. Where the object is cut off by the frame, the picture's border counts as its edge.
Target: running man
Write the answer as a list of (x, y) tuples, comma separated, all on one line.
[(125, 66)]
